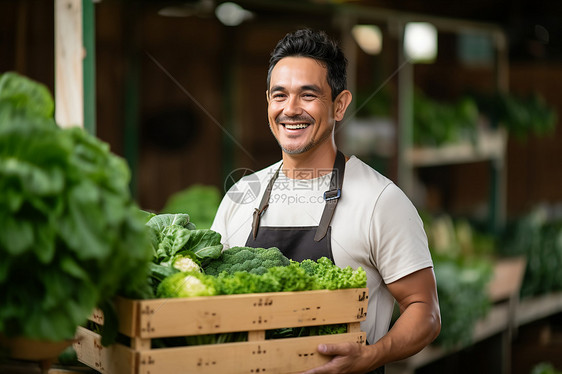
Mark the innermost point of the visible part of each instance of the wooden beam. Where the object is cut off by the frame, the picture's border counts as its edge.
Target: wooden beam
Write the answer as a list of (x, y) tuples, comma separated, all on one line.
[(69, 54)]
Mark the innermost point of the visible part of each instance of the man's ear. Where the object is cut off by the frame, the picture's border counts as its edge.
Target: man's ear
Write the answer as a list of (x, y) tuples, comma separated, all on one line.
[(341, 103), (267, 95)]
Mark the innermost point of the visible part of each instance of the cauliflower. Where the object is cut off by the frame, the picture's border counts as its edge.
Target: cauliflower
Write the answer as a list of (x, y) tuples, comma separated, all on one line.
[(186, 263), (187, 284)]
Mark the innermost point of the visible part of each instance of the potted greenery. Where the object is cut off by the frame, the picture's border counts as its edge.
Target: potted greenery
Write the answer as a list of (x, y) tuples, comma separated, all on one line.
[(72, 237)]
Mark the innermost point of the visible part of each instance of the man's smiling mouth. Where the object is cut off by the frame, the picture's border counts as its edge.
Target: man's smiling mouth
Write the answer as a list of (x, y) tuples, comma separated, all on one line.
[(296, 126)]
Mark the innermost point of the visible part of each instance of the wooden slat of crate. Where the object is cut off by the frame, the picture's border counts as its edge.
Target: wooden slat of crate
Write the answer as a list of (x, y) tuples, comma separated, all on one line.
[(210, 315), (114, 359), (269, 356)]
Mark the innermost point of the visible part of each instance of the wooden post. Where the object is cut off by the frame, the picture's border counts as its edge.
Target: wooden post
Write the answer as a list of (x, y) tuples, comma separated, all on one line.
[(69, 53)]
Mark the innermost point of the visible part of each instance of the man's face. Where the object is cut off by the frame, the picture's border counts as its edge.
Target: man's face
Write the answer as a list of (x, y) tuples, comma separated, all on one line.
[(300, 108)]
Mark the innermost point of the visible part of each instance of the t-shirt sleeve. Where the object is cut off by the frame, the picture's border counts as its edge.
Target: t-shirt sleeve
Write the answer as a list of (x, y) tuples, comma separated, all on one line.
[(400, 242), (220, 222)]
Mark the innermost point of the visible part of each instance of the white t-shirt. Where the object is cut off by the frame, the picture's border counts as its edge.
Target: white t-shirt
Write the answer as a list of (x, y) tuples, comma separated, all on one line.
[(374, 226)]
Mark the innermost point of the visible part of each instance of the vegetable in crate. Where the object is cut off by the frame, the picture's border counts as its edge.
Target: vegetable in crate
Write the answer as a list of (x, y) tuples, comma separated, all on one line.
[(174, 234), (178, 246), (253, 260), (305, 276), (187, 284), (331, 277), (72, 236)]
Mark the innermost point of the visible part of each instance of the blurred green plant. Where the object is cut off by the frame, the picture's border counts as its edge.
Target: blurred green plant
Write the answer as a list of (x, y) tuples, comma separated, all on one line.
[(520, 115), (545, 368), (72, 237), (463, 270), (539, 239), (200, 201), (437, 123)]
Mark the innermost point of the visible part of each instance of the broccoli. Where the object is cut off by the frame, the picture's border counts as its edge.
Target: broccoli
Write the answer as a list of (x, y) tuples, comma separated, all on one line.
[(187, 284), (253, 260)]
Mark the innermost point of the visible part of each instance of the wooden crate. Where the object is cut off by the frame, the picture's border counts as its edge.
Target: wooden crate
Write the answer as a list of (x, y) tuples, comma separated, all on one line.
[(143, 320)]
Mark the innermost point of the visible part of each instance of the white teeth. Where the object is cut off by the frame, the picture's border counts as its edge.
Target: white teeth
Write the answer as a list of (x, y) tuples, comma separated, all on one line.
[(296, 126)]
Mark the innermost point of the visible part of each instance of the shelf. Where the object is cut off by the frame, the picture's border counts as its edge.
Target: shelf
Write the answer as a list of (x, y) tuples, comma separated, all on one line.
[(496, 321), (535, 308), (489, 145)]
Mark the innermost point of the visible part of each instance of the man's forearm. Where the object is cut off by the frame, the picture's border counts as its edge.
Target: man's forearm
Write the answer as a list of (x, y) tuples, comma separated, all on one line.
[(416, 328)]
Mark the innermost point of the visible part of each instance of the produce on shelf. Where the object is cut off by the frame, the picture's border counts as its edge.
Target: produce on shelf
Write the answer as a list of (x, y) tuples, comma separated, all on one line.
[(437, 123), (520, 115), (72, 237), (463, 298), (539, 238), (463, 270)]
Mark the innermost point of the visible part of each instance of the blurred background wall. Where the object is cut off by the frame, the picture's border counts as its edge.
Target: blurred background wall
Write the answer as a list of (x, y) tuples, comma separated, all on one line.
[(182, 95)]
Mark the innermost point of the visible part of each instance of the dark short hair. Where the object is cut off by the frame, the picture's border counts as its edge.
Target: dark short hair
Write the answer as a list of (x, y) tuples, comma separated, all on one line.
[(316, 45)]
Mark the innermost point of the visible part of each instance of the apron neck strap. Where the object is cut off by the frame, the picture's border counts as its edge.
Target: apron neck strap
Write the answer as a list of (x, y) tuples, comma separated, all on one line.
[(258, 212), (331, 197)]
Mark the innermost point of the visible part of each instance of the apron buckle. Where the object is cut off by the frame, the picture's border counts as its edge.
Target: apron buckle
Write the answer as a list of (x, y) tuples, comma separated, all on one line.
[(332, 194)]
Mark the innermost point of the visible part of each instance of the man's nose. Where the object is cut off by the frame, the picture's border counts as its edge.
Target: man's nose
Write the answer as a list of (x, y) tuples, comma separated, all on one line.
[(292, 107)]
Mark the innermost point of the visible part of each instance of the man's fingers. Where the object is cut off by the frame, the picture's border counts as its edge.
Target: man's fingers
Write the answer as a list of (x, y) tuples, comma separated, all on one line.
[(333, 349)]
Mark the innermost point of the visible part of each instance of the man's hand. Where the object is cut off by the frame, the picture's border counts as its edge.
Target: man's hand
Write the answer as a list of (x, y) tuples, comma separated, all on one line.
[(347, 358), (418, 325)]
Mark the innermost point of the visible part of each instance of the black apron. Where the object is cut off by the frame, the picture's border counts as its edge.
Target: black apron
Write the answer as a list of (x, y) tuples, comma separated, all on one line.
[(300, 243)]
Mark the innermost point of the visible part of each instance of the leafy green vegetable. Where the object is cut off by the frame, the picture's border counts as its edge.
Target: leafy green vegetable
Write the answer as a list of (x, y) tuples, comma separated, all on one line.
[(463, 267), (331, 277), (539, 239), (174, 234), (295, 276), (72, 237), (545, 368), (160, 221), (437, 123), (305, 276), (520, 115), (296, 332), (253, 260), (463, 300)]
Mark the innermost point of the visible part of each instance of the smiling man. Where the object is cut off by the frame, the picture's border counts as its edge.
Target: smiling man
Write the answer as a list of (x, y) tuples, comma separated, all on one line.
[(375, 226)]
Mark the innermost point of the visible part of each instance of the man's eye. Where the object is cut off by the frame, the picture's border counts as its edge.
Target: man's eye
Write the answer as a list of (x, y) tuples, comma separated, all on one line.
[(278, 96), (309, 96)]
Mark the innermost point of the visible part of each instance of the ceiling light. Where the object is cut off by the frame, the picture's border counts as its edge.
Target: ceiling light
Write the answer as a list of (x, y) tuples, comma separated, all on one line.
[(232, 14), (420, 41), (369, 38)]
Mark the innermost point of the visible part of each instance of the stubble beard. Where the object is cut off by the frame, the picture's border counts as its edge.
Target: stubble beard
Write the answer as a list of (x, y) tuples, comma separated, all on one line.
[(307, 147)]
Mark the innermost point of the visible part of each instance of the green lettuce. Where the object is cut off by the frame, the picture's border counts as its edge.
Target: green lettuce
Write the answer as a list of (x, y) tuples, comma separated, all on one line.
[(72, 237), (174, 234)]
